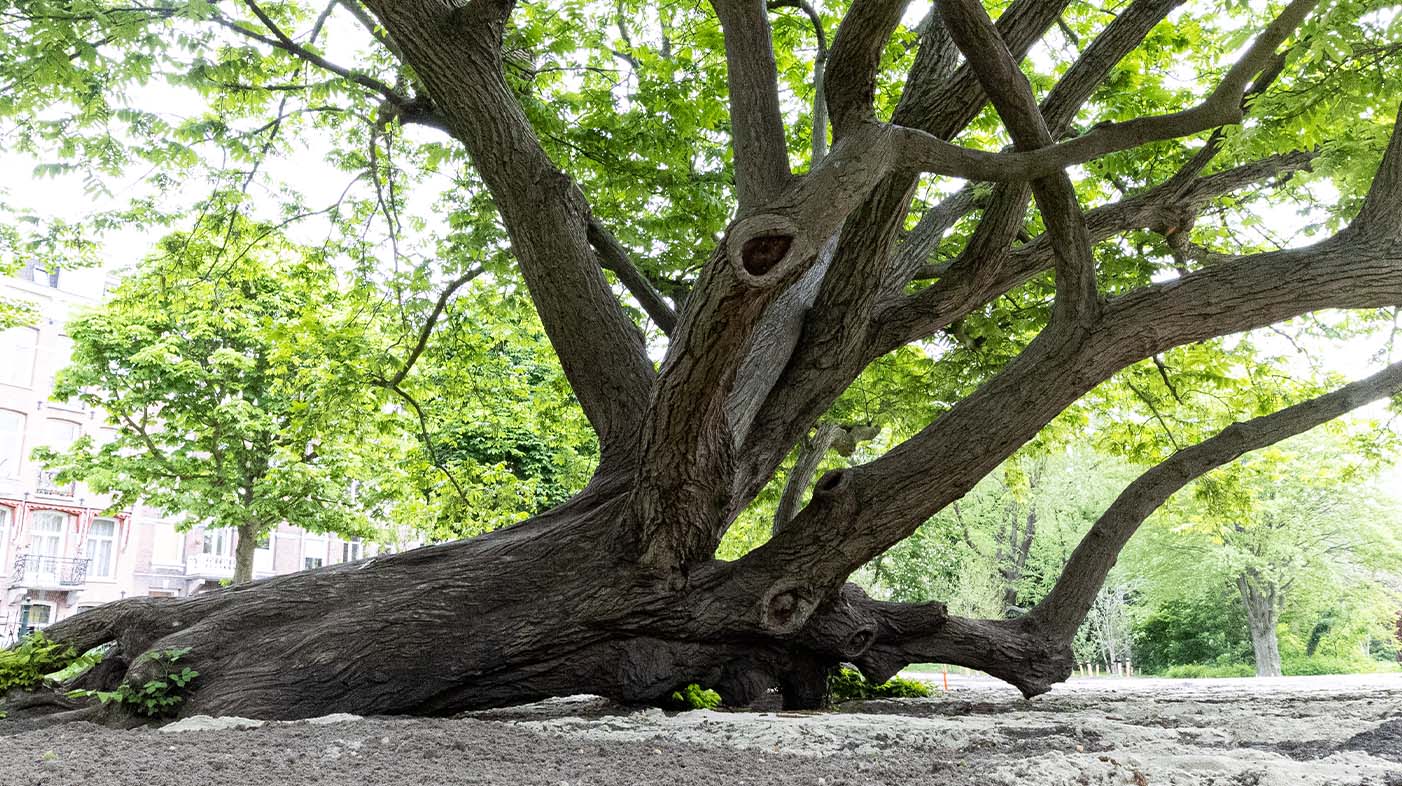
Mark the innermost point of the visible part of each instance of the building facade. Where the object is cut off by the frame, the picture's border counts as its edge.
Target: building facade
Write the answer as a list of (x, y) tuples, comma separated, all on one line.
[(62, 550)]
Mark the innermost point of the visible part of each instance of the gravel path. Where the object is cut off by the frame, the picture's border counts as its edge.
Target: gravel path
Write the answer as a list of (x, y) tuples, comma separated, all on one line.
[(1301, 731)]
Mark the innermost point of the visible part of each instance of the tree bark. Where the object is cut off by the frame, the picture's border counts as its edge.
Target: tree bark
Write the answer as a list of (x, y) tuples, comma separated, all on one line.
[(1262, 601), (245, 545)]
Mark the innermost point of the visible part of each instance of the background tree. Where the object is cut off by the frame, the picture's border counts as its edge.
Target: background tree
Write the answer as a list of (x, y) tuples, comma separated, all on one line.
[(223, 375), (1297, 522), (655, 188)]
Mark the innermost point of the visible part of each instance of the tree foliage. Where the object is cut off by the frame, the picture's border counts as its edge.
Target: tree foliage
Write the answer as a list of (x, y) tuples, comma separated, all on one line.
[(223, 374)]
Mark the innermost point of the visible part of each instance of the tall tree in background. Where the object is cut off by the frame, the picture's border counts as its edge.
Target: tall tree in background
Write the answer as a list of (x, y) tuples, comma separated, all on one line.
[(657, 185), (224, 376), (1294, 520)]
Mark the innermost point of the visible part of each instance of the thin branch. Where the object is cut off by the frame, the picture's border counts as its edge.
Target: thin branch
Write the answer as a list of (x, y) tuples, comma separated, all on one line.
[(281, 40), (820, 63), (429, 324), (615, 258), (1222, 107)]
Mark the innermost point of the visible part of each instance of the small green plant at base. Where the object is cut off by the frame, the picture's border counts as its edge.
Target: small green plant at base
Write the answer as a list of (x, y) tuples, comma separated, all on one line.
[(849, 684), (695, 697), (79, 666), (157, 697), (25, 665)]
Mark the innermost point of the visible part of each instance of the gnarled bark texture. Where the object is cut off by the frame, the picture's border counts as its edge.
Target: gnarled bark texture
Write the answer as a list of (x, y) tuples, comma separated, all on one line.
[(617, 592)]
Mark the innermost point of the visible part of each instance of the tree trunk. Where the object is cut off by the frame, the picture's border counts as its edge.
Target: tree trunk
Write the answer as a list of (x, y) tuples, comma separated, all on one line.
[(1262, 613), (244, 546), (541, 609)]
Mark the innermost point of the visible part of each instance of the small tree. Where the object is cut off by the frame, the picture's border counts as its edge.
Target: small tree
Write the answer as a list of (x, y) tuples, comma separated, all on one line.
[(231, 387), (1297, 519)]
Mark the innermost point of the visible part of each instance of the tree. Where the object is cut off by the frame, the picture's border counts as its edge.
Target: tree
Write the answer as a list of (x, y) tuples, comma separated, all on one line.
[(1298, 519), (651, 199), (224, 392)]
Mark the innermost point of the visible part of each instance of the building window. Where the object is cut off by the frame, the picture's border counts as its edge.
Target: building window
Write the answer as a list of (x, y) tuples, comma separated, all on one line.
[(311, 562), (47, 538), (102, 541), (219, 542), (4, 538), (61, 434), (18, 347), (11, 442), (168, 545), (61, 355), (33, 271), (352, 550), (40, 615)]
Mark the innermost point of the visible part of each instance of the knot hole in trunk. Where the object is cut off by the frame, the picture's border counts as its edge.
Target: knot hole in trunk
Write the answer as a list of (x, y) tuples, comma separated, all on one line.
[(760, 254), (832, 482)]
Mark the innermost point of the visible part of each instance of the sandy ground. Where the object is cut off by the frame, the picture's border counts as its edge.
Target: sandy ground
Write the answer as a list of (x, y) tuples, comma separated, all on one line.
[(1305, 731)]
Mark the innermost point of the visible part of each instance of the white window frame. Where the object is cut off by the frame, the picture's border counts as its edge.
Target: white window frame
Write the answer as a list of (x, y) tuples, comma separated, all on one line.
[(49, 423), (9, 465), (17, 372), (111, 541), (352, 550), (64, 520), (222, 539)]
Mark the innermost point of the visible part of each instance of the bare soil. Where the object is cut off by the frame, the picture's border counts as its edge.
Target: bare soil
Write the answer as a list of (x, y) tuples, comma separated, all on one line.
[(1300, 731)]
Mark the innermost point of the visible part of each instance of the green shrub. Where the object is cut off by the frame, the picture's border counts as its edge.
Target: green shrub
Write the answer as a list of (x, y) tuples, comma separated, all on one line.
[(1210, 628), (1201, 670), (695, 697), (849, 684), (25, 665), (1300, 666)]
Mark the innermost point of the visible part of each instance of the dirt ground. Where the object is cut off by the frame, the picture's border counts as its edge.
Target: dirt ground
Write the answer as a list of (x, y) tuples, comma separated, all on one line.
[(1300, 731)]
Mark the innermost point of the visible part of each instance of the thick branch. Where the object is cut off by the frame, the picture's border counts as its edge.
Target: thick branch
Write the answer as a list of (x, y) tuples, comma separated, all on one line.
[(456, 52), (856, 55), (1166, 209), (836, 343), (1063, 609), (882, 502), (761, 155), (1222, 107), (1381, 214), (1012, 97)]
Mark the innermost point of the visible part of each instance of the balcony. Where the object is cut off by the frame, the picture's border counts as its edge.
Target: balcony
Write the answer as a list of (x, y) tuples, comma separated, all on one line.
[(49, 573), (210, 566), (48, 486)]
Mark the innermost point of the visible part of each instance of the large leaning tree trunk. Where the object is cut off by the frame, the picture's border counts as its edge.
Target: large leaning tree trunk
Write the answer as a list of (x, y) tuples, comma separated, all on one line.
[(1262, 601), (617, 592)]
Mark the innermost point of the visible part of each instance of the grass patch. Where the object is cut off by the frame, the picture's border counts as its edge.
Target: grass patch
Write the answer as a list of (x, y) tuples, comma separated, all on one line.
[(1290, 667)]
